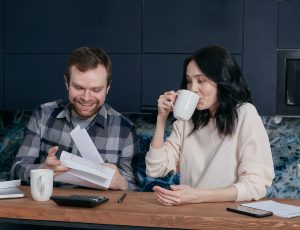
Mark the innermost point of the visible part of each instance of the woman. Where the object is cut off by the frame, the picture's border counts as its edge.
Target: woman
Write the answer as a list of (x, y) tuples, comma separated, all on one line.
[(223, 151)]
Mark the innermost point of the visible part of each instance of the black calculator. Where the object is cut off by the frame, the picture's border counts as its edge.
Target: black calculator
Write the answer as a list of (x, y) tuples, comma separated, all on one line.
[(79, 200)]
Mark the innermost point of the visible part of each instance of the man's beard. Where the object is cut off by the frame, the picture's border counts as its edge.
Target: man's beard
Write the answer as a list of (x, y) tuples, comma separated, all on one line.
[(86, 113)]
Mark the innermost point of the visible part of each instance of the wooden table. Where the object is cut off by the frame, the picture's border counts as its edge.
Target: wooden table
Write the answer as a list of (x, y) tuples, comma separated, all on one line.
[(140, 210)]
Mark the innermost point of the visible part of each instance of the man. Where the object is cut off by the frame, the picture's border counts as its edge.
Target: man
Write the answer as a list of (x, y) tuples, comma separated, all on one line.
[(88, 77)]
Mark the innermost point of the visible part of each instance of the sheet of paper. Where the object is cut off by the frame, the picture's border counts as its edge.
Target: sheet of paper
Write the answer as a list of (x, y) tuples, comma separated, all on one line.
[(98, 182), (75, 162), (10, 183), (85, 145), (69, 178), (86, 170), (9, 189), (278, 209), (12, 192)]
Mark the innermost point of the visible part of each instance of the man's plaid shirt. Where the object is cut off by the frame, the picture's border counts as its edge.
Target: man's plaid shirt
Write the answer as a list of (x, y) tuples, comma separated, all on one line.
[(50, 125)]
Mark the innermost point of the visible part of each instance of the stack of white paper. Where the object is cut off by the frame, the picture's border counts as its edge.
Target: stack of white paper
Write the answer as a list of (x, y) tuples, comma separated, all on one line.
[(87, 170), (278, 209), (9, 189)]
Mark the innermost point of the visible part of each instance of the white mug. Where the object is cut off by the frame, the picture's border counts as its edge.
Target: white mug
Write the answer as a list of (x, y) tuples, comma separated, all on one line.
[(185, 104), (41, 184)]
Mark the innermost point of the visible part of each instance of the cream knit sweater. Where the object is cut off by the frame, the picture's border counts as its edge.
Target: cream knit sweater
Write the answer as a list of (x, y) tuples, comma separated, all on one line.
[(207, 161)]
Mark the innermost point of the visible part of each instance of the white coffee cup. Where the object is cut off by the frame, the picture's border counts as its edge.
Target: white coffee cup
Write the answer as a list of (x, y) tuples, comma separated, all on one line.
[(41, 184), (185, 104)]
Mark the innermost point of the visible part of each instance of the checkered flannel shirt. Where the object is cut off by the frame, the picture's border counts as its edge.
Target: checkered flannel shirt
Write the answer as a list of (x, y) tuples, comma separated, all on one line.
[(113, 134)]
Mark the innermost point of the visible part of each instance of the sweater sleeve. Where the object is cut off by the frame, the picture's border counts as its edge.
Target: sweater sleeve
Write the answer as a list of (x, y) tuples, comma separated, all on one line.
[(159, 162), (256, 170)]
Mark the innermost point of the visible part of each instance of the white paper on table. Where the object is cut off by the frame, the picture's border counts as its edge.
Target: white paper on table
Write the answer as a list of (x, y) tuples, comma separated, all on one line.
[(278, 209), (85, 145), (9, 189), (85, 170), (10, 183)]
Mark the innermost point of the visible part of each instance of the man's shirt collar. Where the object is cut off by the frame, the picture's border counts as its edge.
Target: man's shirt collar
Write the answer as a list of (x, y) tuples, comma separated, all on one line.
[(101, 117)]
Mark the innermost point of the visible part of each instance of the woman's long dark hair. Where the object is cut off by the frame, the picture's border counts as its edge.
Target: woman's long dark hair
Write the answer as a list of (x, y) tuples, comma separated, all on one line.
[(218, 65)]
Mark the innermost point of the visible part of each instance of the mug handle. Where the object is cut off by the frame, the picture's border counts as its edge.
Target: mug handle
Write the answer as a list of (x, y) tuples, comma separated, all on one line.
[(41, 185)]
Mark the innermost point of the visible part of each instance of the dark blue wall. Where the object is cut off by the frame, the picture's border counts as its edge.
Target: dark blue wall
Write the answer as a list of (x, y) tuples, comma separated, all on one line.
[(289, 20), (39, 35), (172, 29), (1, 50), (147, 41), (260, 52)]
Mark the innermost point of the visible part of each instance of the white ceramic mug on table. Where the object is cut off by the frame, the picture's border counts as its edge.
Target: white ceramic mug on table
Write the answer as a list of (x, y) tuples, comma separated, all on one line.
[(41, 184)]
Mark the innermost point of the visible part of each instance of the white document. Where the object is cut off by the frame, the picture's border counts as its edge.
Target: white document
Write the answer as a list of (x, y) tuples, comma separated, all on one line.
[(278, 209), (69, 178), (10, 183), (85, 145), (9, 189), (87, 170)]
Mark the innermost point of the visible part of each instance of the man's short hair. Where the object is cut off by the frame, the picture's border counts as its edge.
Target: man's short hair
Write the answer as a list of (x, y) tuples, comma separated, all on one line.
[(85, 58)]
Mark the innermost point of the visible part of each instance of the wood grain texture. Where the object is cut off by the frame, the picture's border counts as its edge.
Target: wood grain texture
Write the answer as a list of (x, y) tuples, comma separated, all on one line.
[(141, 209)]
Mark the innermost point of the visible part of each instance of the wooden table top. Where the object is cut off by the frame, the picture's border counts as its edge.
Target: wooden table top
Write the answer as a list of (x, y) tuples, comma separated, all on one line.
[(141, 209)]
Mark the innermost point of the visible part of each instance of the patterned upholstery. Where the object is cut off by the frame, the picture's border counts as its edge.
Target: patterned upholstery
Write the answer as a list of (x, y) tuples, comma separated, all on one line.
[(12, 129), (284, 140), (145, 182)]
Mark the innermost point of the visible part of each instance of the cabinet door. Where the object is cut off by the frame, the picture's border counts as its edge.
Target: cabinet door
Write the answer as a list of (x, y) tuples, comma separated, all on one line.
[(125, 91), (161, 73), (35, 26), (260, 53), (176, 26), (289, 19), (1, 49), (31, 80)]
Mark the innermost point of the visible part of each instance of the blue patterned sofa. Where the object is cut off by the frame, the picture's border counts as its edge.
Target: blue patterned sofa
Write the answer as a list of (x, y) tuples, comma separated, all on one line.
[(284, 135), (12, 129)]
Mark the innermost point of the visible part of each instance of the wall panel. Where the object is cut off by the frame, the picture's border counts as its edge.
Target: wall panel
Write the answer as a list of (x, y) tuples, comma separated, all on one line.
[(176, 26), (35, 26), (260, 53), (1, 50), (289, 19), (125, 91), (31, 80), (161, 73), (147, 41)]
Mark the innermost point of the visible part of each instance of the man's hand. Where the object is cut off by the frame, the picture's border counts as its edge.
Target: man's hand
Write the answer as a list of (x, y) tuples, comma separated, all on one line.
[(53, 163), (118, 182)]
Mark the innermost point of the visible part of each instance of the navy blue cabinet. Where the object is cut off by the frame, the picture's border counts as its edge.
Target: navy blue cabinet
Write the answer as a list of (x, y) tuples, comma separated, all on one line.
[(147, 41), (161, 73), (176, 26), (125, 92), (260, 53), (289, 20), (1, 49), (172, 29), (35, 26), (39, 36), (32, 79)]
